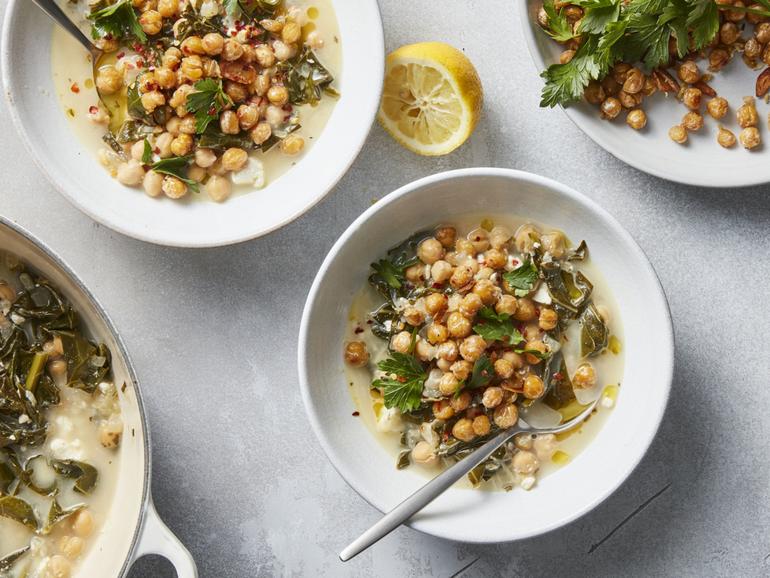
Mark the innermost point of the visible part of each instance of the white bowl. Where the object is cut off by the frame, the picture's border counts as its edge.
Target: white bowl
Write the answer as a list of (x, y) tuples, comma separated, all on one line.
[(464, 514), (701, 161), (75, 172)]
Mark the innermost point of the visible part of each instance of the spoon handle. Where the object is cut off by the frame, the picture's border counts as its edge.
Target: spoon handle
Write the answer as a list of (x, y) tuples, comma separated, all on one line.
[(58, 15), (425, 495)]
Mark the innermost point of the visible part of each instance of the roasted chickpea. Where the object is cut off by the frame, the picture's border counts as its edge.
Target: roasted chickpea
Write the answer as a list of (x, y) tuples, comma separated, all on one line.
[(481, 425), (192, 46), (533, 387), (463, 430), (448, 384), (448, 351), (458, 325), (173, 188), (752, 49), (260, 133), (611, 108), (486, 291), (495, 259), (525, 463), (726, 138), (182, 145), (430, 251), (750, 137), (278, 95), (168, 8), (108, 80), (548, 319), (717, 107), (479, 238), (538, 346), (554, 243), (718, 58), (424, 350), (232, 50), (729, 33), (525, 310), (192, 68), (516, 359), (435, 303), (762, 32), (688, 72), (401, 342), (461, 369), (506, 305), (747, 113), (472, 347), (460, 402), (446, 236), (443, 409), (585, 376), (692, 121), (461, 277), (506, 415), (437, 333), (356, 354), (292, 145), (228, 122), (441, 271), (594, 93), (492, 397), (213, 44), (634, 81), (503, 368)]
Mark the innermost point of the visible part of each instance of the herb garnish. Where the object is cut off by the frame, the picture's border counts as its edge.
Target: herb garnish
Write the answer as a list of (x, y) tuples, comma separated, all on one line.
[(483, 372), (117, 21), (147, 154), (522, 279), (497, 327), (251, 8), (207, 102), (405, 391), (176, 167)]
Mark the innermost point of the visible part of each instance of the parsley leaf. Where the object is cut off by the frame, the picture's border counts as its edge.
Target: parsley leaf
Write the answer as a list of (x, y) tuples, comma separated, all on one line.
[(523, 279), (147, 155), (404, 392), (207, 102), (559, 28), (176, 167), (118, 21), (482, 373), (497, 327), (597, 14)]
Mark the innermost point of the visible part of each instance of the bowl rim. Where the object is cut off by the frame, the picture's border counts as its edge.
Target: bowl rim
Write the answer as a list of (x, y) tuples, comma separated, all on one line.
[(12, 92), (737, 178), (666, 360)]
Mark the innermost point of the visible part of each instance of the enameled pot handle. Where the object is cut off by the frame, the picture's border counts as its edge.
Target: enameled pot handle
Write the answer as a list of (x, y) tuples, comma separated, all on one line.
[(157, 539)]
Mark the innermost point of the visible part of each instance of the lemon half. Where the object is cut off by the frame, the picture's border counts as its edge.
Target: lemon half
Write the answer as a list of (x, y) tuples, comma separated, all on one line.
[(432, 97)]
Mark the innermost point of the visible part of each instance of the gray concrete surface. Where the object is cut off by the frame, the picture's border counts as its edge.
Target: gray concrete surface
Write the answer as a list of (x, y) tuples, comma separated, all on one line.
[(239, 475)]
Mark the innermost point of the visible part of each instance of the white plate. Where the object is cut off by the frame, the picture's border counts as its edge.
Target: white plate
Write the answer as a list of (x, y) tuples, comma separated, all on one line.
[(75, 172), (464, 514), (702, 161)]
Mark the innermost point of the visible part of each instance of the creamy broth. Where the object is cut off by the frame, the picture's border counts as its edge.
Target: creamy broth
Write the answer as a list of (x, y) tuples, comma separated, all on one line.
[(608, 366), (74, 85), (84, 428)]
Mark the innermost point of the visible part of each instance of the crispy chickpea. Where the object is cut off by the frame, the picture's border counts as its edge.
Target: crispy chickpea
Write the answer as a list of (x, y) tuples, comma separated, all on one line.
[(83, 523), (248, 116), (472, 347), (163, 144), (108, 80), (448, 384), (413, 316), (525, 310), (264, 55), (750, 137), (479, 238), (443, 409), (628, 100), (688, 72), (260, 133), (463, 430), (437, 333), (435, 303), (548, 319), (506, 305), (531, 331), (448, 351), (278, 95), (726, 138), (594, 93), (192, 46), (692, 97), (503, 368), (747, 113), (182, 145), (232, 50), (611, 108), (192, 68), (636, 119), (228, 122), (729, 33), (152, 100), (525, 463), (151, 22), (533, 387), (172, 58), (717, 107), (585, 376), (204, 158), (461, 401), (130, 173), (492, 397), (423, 453), (499, 237), (430, 250), (515, 358), (173, 188), (634, 82), (762, 32), (213, 43), (424, 350), (692, 121), (486, 291), (465, 246), (168, 8), (179, 99), (356, 354), (236, 91), (554, 243), (292, 145), (291, 32), (471, 304), (481, 425), (461, 276), (718, 58), (165, 77), (441, 271), (234, 159), (506, 415), (153, 183), (752, 49), (401, 342), (446, 236), (283, 51), (458, 325), (461, 369), (538, 346)]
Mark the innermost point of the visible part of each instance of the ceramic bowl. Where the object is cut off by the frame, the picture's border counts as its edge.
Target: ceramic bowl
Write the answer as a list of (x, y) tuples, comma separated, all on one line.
[(76, 173), (464, 514), (701, 161)]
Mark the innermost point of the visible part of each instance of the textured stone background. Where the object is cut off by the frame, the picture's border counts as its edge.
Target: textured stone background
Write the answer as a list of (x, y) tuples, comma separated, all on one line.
[(238, 474)]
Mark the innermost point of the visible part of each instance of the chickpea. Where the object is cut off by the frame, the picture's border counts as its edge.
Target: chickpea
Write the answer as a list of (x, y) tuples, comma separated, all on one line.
[(130, 173), (458, 325), (747, 113), (463, 430), (465, 247), (461, 277), (446, 236), (525, 310), (172, 58), (264, 56), (261, 133), (525, 463), (232, 50), (688, 72), (278, 95), (401, 342), (729, 33), (173, 188), (481, 425), (717, 107), (726, 138), (192, 68), (506, 305), (441, 271), (503, 368), (71, 546), (585, 376), (531, 332), (492, 397), (314, 40), (59, 567), (762, 32), (692, 121), (187, 125), (692, 97), (212, 44), (435, 303), (544, 446), (636, 119), (634, 82), (718, 58), (168, 8), (752, 49), (486, 291), (461, 369), (182, 145), (470, 305), (750, 137), (430, 250), (448, 384), (506, 415), (413, 316), (291, 32), (219, 188), (153, 183), (611, 108), (538, 346), (472, 347), (83, 523), (292, 145), (422, 453), (534, 387), (620, 71), (437, 333), (424, 350), (594, 93), (228, 122), (151, 22), (448, 351), (516, 359), (356, 354), (460, 402), (282, 50), (548, 319), (479, 238), (108, 80), (234, 159), (443, 409), (554, 243)]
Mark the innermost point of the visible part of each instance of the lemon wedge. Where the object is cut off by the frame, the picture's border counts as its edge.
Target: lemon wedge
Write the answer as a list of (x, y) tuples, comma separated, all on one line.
[(432, 98)]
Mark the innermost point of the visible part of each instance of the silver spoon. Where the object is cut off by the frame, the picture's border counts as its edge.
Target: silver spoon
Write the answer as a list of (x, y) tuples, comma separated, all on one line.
[(444, 481)]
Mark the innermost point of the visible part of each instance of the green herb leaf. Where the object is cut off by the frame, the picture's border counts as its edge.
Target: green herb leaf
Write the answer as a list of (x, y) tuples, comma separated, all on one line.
[(7, 561), (559, 28), (147, 155), (85, 475), (56, 514), (594, 334), (18, 510), (522, 280), (306, 78), (497, 327), (207, 102), (118, 21), (405, 391), (482, 374), (176, 167), (597, 14)]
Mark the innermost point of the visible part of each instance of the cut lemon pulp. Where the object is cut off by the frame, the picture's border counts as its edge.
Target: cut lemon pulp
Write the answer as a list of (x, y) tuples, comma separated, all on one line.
[(432, 98)]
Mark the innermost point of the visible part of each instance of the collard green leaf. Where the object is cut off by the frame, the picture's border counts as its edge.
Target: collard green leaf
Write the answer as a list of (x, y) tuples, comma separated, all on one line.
[(388, 277), (19, 511), (30, 477), (305, 78), (85, 475), (57, 514), (594, 334), (132, 131), (404, 460), (220, 142), (7, 561), (385, 321), (559, 391), (177, 167)]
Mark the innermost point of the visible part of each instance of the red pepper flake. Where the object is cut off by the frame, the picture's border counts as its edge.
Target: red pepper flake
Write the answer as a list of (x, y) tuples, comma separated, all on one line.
[(356, 414), (120, 55), (287, 107), (558, 375), (140, 63), (359, 330), (75, 88), (156, 150), (369, 322), (436, 285), (514, 261), (93, 109)]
